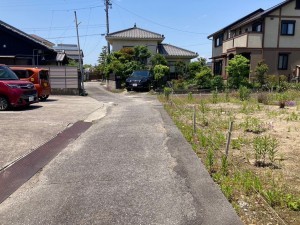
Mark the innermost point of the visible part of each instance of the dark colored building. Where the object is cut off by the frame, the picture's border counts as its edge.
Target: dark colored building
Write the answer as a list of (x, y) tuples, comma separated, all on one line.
[(19, 48)]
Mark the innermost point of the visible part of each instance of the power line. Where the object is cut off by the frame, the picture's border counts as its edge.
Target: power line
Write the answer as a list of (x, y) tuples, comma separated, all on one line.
[(63, 28), (172, 28), (84, 8), (63, 37)]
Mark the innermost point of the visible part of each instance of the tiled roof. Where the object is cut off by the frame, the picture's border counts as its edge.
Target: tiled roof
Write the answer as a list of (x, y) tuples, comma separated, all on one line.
[(46, 42), (260, 13), (171, 50), (19, 32), (238, 21), (135, 33)]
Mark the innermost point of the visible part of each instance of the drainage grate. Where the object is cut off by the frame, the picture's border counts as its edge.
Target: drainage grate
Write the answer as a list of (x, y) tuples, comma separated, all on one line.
[(22, 170)]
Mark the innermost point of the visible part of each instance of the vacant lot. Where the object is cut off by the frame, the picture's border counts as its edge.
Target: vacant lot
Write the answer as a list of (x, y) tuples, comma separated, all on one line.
[(260, 175)]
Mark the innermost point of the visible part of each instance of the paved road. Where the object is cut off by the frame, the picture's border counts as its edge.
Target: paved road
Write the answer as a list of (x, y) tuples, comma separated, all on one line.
[(131, 167), (26, 129)]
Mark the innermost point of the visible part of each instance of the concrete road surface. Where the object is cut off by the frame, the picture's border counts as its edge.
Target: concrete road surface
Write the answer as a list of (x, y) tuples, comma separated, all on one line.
[(23, 130), (133, 166)]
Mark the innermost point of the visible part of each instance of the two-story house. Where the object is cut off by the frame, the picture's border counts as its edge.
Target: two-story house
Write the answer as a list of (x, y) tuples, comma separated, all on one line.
[(271, 35), (140, 37)]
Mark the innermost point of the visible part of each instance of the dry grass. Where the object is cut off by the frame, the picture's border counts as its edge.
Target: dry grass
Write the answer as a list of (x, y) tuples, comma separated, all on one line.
[(263, 190)]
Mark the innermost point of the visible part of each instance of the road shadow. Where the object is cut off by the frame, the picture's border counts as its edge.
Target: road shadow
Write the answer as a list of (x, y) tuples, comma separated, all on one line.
[(26, 108)]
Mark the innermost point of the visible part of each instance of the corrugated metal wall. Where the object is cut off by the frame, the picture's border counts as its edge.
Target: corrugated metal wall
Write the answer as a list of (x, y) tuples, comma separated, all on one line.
[(64, 77)]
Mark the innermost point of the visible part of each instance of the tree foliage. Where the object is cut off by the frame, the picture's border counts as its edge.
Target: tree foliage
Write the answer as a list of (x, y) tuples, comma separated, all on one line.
[(181, 69), (260, 73), (238, 71), (196, 67), (158, 59), (203, 78), (122, 63), (160, 74)]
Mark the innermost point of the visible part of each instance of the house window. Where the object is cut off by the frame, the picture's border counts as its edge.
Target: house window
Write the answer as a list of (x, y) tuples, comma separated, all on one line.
[(218, 67), (219, 40), (257, 27), (297, 4), (283, 60), (288, 27)]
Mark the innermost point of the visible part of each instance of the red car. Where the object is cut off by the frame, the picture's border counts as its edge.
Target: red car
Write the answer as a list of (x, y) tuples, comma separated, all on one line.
[(13, 91)]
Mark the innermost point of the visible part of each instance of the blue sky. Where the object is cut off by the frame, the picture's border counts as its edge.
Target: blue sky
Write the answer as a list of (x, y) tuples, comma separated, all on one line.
[(184, 24)]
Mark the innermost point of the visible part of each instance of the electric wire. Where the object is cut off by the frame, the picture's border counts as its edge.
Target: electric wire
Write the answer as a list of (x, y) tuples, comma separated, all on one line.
[(165, 26)]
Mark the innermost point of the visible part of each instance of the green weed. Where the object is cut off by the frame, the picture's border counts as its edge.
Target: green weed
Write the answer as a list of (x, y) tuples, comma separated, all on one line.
[(253, 125), (210, 160), (265, 146)]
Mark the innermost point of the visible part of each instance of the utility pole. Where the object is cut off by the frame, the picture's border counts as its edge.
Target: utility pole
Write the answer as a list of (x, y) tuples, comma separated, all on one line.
[(107, 6), (80, 59)]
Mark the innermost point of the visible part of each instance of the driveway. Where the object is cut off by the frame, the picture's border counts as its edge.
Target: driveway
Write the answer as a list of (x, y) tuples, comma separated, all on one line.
[(23, 130)]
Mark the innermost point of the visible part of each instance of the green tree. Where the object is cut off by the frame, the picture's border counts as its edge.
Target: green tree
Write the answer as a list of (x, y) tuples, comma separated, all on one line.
[(72, 62), (260, 73), (196, 67), (203, 78), (217, 83), (160, 72), (238, 71), (158, 59), (180, 68), (142, 54)]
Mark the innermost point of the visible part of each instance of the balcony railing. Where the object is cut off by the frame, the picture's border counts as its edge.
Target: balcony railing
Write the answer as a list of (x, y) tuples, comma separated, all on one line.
[(246, 40)]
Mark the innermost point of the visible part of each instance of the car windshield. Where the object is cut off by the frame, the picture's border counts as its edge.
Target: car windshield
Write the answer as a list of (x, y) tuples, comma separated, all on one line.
[(7, 74), (140, 74)]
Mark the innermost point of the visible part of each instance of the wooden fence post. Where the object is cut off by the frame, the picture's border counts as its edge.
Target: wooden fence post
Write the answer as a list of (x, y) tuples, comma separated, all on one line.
[(194, 119), (228, 138)]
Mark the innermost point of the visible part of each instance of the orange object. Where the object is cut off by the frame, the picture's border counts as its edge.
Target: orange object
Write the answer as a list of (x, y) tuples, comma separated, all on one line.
[(38, 76)]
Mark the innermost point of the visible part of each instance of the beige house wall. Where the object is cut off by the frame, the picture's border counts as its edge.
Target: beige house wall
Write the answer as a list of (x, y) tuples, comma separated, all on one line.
[(240, 41), (118, 45), (216, 51), (271, 59), (227, 45), (275, 12), (289, 9), (291, 41), (271, 32), (255, 40)]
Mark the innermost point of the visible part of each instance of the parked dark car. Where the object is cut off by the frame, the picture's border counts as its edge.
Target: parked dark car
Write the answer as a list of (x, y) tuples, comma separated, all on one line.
[(139, 80), (13, 91)]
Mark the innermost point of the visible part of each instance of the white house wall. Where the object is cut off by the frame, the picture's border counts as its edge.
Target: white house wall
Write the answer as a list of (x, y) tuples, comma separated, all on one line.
[(118, 45)]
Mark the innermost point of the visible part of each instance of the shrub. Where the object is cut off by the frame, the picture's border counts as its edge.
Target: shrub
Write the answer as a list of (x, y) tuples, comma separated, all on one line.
[(217, 83), (253, 125), (167, 92), (263, 97), (244, 93), (203, 78)]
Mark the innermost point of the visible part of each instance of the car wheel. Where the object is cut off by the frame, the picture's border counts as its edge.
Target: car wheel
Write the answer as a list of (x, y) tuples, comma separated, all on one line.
[(4, 105), (44, 97)]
